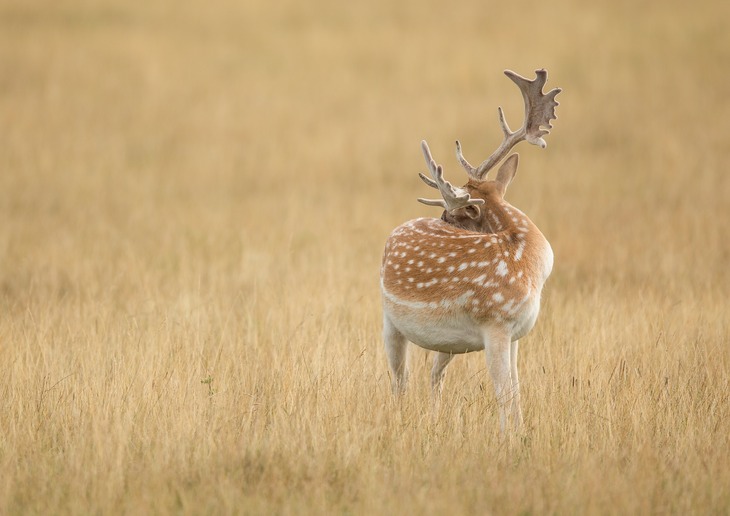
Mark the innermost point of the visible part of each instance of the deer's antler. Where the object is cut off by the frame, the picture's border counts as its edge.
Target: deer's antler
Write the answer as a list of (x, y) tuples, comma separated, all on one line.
[(539, 110), (453, 197)]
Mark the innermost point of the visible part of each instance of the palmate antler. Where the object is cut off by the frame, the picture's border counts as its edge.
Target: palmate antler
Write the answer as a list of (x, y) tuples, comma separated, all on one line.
[(539, 110), (453, 197)]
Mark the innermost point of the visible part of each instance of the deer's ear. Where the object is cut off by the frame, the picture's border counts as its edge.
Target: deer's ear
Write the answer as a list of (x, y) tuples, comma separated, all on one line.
[(507, 171)]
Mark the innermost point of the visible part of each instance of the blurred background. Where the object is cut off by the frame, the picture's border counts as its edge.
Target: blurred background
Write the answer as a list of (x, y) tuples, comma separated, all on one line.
[(259, 124)]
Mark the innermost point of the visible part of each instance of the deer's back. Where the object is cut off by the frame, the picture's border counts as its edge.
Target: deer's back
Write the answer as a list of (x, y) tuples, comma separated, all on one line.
[(442, 285)]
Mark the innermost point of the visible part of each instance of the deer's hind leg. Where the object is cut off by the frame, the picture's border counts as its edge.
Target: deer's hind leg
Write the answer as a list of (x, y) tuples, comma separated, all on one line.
[(516, 408), (396, 349), (497, 347)]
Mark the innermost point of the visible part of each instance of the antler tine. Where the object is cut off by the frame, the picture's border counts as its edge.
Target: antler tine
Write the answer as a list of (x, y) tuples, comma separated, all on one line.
[(539, 110), (453, 197), (464, 163), (539, 107)]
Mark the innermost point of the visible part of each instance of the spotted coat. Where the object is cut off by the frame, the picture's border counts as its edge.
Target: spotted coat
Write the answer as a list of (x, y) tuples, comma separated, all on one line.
[(442, 285)]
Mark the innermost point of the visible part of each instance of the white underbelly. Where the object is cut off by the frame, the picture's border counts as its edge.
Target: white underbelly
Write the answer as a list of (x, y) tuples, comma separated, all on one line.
[(453, 335), (456, 331)]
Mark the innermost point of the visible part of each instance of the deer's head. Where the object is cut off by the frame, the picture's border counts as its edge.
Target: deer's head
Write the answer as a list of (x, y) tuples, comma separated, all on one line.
[(467, 206)]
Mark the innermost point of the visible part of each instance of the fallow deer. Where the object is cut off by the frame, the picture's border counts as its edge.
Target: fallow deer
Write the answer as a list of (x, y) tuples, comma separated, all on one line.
[(472, 279)]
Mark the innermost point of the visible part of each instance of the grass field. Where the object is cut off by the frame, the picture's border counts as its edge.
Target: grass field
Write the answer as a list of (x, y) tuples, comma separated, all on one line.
[(193, 205)]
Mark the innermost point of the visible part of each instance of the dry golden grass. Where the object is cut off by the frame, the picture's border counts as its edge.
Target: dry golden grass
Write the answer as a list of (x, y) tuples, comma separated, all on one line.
[(193, 203)]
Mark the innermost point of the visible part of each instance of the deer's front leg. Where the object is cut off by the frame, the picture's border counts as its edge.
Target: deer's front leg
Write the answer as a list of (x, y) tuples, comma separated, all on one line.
[(440, 361), (396, 349), (497, 348)]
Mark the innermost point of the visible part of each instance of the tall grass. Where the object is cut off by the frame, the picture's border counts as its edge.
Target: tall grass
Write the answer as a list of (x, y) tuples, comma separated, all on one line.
[(193, 203)]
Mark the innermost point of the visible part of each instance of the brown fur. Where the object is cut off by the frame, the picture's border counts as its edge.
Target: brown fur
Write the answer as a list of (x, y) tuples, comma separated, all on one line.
[(498, 255)]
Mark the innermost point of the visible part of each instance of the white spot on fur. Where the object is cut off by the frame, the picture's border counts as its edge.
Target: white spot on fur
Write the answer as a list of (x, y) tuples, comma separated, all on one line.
[(501, 268), (520, 250), (498, 297)]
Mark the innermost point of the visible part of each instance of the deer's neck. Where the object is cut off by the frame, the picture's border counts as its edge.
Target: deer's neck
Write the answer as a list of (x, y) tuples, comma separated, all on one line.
[(499, 217)]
